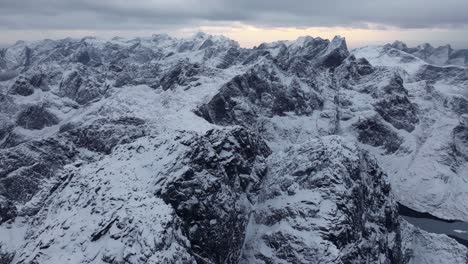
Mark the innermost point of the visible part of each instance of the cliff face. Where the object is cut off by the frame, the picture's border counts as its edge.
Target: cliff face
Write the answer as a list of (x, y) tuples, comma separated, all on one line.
[(161, 150), (324, 201)]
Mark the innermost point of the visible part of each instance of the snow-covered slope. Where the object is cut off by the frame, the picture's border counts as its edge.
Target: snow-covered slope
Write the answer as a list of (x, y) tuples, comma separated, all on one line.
[(443, 55), (165, 150), (320, 201), (429, 173), (422, 247)]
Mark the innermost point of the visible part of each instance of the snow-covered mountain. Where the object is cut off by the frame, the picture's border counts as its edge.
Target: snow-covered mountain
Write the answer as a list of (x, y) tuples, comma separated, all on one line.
[(165, 150), (443, 55)]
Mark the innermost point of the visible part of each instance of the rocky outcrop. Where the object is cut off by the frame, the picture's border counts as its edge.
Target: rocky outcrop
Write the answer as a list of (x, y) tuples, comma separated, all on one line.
[(79, 85), (214, 192), (6, 126), (107, 209), (8, 106), (102, 135), (230, 58), (22, 86), (395, 107), (373, 131), (87, 55), (450, 74), (305, 52), (324, 201), (7, 210), (25, 166), (460, 137), (255, 94), (352, 70), (398, 111), (181, 74), (6, 257), (36, 117), (25, 86), (459, 104)]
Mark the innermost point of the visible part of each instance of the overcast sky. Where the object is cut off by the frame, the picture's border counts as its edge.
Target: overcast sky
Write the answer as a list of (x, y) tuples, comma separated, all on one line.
[(248, 21)]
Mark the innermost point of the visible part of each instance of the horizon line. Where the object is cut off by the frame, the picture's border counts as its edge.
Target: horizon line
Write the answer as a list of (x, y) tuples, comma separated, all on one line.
[(186, 36)]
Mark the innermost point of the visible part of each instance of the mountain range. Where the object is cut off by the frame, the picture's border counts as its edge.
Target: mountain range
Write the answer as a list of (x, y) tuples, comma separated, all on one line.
[(196, 150)]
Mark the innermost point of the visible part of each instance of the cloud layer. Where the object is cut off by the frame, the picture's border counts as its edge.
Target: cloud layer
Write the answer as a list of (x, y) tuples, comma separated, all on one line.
[(167, 14)]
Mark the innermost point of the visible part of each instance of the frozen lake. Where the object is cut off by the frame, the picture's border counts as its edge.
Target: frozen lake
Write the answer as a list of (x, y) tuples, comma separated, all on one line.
[(452, 228)]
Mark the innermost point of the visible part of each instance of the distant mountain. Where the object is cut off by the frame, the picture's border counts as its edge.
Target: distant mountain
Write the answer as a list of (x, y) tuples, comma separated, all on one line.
[(195, 150), (443, 55)]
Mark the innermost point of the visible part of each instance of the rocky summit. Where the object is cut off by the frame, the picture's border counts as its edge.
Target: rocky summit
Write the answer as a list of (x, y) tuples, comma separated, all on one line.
[(196, 150)]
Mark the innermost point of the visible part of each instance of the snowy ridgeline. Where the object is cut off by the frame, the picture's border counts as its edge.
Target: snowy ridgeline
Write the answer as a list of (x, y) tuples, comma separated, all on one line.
[(164, 150)]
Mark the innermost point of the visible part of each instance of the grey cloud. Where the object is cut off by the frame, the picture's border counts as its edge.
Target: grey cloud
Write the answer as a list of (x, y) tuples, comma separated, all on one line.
[(160, 14)]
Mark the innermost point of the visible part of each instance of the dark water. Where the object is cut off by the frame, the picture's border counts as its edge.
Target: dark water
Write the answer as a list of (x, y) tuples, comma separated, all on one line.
[(452, 228)]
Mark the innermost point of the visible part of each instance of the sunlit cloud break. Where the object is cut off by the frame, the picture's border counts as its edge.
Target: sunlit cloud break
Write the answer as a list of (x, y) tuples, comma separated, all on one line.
[(250, 22)]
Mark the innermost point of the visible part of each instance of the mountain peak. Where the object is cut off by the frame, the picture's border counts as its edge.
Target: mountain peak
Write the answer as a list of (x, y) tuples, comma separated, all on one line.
[(338, 42), (442, 55), (201, 35), (186, 150), (398, 44)]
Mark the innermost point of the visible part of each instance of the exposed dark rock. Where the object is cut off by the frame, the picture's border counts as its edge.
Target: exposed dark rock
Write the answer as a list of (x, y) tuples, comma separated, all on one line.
[(394, 106), (24, 167), (12, 139), (148, 74), (7, 210), (186, 46), (102, 135), (372, 131), (122, 79), (80, 88), (214, 194), (22, 86), (255, 93), (322, 196), (459, 104), (460, 137), (255, 55), (102, 231), (86, 55), (39, 80), (208, 43), (230, 58), (68, 126), (83, 57), (432, 74), (353, 69), (333, 59), (398, 111), (6, 126), (459, 57), (181, 74), (36, 117), (2, 58), (7, 104), (5, 256), (329, 54), (395, 86)]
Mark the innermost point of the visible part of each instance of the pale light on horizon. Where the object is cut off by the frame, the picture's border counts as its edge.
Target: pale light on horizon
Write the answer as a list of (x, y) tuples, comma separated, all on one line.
[(249, 36)]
